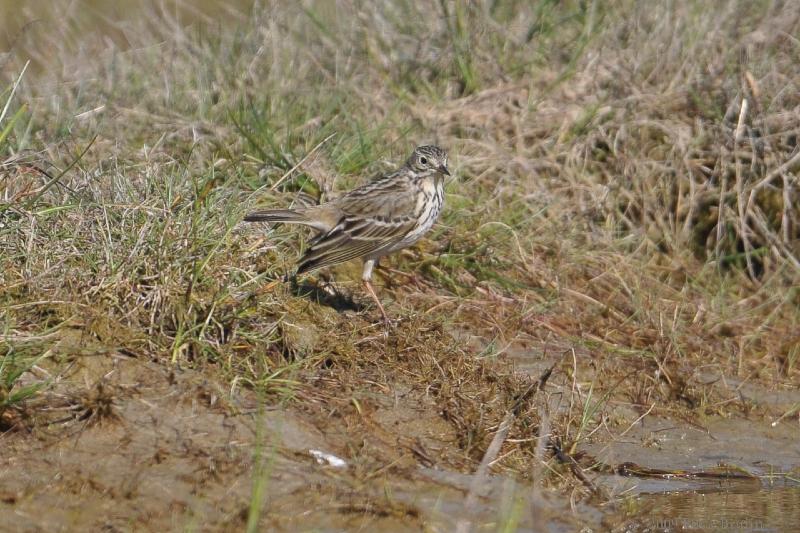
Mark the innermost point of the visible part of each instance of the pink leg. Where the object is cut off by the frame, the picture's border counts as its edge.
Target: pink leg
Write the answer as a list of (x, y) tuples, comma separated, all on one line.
[(371, 291), (366, 278)]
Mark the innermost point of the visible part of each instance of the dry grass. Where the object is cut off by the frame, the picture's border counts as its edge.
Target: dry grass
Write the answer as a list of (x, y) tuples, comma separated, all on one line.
[(626, 192)]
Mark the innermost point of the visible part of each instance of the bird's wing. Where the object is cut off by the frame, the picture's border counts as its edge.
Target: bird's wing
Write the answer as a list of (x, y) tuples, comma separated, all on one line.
[(376, 216), (391, 196)]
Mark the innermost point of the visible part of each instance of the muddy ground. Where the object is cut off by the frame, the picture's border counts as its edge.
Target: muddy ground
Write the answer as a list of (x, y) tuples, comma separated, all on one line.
[(126, 442), (139, 445)]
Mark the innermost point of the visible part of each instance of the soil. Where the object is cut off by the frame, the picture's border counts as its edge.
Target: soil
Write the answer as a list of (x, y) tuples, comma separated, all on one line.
[(127, 443), (137, 445)]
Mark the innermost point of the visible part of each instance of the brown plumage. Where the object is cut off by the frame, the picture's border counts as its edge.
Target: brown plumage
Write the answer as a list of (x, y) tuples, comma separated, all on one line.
[(373, 220)]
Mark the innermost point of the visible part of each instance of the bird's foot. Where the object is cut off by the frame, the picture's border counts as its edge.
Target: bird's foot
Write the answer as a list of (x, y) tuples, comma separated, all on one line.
[(390, 323)]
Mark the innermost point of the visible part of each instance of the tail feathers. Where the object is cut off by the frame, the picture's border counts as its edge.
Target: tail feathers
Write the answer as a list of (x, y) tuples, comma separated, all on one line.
[(306, 266), (277, 215)]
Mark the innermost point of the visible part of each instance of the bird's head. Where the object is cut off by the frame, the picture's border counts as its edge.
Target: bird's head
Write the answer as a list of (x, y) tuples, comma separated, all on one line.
[(428, 158)]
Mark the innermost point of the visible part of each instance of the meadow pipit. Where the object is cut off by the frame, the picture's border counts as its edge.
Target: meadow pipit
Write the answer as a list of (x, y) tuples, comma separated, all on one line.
[(374, 220)]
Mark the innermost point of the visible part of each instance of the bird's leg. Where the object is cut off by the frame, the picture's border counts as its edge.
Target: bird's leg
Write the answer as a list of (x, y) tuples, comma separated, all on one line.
[(371, 291), (366, 278), (382, 271)]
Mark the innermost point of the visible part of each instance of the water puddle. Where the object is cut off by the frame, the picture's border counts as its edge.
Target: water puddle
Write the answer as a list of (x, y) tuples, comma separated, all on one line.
[(721, 508), (721, 475), (692, 473)]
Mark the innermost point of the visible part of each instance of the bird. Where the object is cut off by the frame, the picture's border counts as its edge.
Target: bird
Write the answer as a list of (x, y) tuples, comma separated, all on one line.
[(376, 219)]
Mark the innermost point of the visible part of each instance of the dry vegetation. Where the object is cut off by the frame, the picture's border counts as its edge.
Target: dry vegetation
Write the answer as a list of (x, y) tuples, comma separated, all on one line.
[(625, 207)]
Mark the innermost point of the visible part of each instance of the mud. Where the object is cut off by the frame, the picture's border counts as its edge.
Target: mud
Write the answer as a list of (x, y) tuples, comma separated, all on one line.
[(123, 442), (127, 443)]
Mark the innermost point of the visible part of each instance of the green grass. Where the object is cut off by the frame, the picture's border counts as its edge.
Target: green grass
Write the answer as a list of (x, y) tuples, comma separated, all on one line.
[(12, 367), (14, 362)]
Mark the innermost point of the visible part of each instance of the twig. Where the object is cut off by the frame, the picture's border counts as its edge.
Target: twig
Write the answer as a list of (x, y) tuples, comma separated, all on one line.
[(784, 168), (577, 471), (761, 222), (636, 421), (744, 230), (500, 435), (61, 174), (289, 172), (14, 90)]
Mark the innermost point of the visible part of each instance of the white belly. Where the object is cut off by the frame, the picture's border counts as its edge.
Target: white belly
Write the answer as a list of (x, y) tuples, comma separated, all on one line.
[(424, 225)]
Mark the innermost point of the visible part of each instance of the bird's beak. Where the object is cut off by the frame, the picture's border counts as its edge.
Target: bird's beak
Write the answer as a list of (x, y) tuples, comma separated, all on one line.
[(443, 170)]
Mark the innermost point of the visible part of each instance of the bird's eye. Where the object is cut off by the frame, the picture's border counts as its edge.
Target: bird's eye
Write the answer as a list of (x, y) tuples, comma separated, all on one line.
[(423, 160)]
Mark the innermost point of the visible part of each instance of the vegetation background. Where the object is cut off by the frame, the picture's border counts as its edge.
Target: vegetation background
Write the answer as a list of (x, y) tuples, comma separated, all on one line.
[(624, 210)]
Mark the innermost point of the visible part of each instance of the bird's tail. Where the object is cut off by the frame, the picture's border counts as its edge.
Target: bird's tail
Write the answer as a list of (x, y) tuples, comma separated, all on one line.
[(289, 216)]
